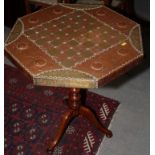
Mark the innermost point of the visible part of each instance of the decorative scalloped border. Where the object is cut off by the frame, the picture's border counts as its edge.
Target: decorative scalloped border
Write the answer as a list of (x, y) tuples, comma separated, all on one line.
[(140, 37), (21, 32), (93, 82), (79, 71), (88, 74), (94, 79), (63, 78), (69, 6)]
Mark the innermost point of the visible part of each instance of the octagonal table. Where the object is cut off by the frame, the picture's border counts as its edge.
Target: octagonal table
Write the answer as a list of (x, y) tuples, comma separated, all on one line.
[(75, 46)]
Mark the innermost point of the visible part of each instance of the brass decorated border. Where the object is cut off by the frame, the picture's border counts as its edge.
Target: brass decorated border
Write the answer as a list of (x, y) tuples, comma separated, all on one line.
[(65, 78), (82, 7), (136, 38), (16, 31)]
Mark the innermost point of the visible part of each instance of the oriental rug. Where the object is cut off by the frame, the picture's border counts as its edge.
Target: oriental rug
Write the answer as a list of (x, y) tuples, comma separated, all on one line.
[(33, 114)]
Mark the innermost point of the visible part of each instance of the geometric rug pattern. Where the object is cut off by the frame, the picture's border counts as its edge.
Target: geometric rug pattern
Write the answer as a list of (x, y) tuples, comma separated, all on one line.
[(32, 115)]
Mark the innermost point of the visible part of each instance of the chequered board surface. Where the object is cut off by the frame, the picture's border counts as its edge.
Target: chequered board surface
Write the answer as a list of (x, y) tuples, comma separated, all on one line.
[(75, 46), (74, 38)]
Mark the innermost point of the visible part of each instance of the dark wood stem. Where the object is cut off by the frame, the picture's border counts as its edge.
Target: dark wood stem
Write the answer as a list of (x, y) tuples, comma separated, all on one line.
[(74, 99)]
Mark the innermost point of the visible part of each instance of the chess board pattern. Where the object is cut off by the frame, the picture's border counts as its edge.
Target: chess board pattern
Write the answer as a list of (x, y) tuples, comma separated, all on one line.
[(70, 46), (61, 40)]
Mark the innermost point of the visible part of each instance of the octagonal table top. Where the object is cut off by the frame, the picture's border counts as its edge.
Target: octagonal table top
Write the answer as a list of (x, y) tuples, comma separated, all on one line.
[(75, 45)]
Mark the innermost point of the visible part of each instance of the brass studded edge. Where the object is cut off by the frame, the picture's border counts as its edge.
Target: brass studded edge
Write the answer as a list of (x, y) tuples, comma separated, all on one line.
[(21, 30), (72, 6), (65, 82), (41, 79), (72, 70), (140, 37)]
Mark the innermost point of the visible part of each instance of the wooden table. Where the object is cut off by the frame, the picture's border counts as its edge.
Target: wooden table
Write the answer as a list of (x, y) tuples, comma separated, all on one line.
[(75, 46)]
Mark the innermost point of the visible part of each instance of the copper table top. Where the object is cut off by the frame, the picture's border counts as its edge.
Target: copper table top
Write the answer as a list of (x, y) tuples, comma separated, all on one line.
[(75, 46)]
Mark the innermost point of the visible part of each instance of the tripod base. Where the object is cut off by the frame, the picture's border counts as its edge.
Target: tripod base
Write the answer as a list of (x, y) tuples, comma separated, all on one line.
[(76, 109)]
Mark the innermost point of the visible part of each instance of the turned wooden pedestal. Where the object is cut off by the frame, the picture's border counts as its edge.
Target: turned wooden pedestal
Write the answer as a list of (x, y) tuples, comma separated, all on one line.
[(76, 108)]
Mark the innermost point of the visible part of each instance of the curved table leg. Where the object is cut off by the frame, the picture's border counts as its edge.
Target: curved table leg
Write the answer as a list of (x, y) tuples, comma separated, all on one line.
[(84, 111), (74, 102), (64, 123)]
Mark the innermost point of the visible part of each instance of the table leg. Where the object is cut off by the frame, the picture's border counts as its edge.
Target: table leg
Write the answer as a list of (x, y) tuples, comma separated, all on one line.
[(87, 113), (64, 123), (75, 109)]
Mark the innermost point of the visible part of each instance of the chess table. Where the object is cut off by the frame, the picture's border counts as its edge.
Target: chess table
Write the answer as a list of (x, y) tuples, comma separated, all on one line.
[(75, 46)]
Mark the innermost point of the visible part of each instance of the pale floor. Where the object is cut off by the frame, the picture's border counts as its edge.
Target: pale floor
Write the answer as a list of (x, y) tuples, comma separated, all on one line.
[(131, 123)]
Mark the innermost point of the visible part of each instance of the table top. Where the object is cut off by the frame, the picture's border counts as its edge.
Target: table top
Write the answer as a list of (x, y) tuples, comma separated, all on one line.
[(75, 46)]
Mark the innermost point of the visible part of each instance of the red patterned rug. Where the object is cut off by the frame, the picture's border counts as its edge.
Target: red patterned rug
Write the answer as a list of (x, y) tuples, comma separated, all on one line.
[(33, 114)]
